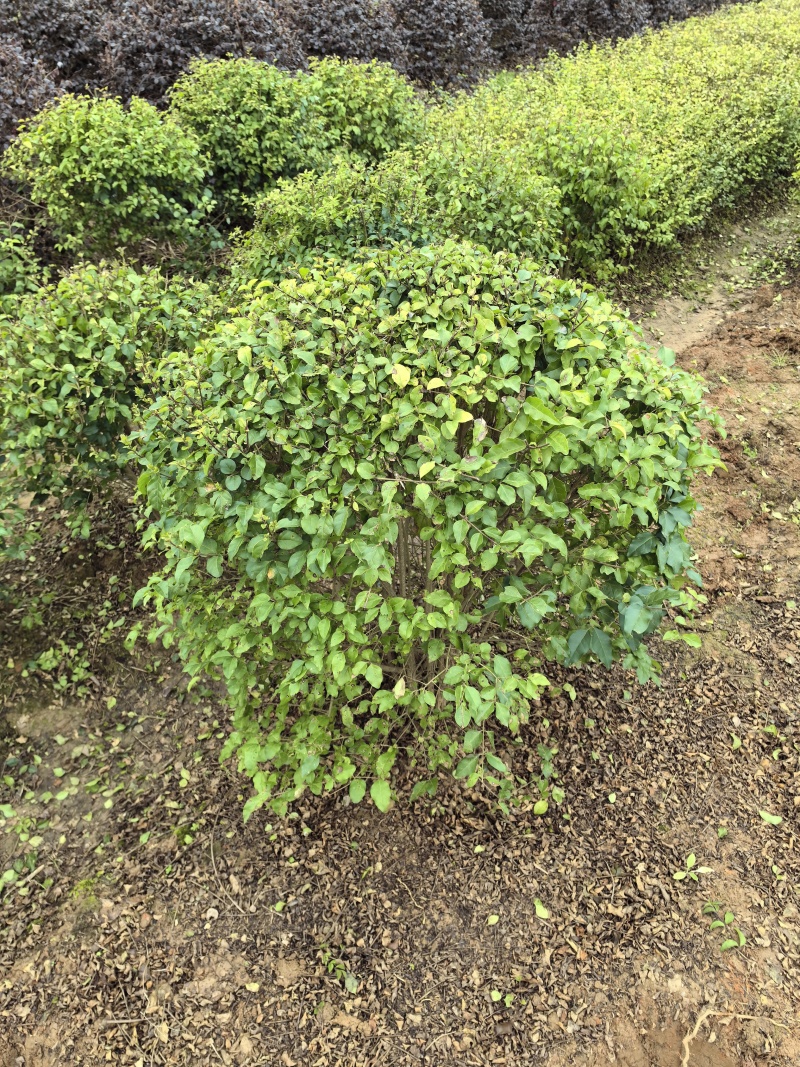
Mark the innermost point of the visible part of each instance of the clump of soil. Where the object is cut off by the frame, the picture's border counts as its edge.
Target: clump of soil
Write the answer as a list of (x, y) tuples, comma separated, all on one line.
[(146, 925)]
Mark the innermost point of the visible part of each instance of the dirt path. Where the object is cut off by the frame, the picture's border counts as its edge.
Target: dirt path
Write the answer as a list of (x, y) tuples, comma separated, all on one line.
[(147, 927)]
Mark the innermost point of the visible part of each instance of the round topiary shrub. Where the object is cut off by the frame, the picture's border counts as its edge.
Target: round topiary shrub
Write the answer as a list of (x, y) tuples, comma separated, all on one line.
[(388, 492), (367, 109), (245, 116), (107, 175)]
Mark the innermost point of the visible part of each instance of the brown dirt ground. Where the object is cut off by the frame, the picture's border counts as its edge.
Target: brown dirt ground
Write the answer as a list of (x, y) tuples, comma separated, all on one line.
[(151, 928)]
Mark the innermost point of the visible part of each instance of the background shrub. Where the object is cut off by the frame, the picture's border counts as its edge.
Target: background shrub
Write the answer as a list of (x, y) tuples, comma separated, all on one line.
[(245, 117), (410, 196), (257, 123), (25, 86), (366, 108), (140, 48), (447, 41), (386, 491), (149, 44), (106, 175), (72, 361), (350, 29), (64, 35)]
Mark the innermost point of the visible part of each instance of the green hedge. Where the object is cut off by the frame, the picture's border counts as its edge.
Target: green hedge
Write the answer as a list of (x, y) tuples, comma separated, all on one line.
[(648, 137), (387, 491), (587, 160)]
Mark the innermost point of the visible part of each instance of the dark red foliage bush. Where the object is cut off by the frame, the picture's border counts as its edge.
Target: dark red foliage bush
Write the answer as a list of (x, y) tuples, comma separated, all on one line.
[(148, 43), (139, 47), (529, 29), (25, 86), (65, 35), (351, 29)]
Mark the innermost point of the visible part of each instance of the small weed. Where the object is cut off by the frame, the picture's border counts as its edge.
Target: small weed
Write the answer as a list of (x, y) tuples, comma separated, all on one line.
[(779, 359), (726, 924), (338, 968), (691, 870)]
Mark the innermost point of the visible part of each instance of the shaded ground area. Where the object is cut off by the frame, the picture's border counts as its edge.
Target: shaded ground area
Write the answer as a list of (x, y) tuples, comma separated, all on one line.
[(145, 926)]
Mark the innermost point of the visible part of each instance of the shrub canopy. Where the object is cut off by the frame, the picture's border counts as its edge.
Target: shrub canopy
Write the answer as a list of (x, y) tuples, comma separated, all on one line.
[(388, 491)]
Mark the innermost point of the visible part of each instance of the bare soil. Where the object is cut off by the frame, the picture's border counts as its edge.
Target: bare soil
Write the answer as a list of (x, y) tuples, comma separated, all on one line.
[(151, 928)]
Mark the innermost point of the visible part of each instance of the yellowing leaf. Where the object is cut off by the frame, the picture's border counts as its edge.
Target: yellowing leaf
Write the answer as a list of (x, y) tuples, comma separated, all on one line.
[(400, 688), (252, 987), (435, 383), (401, 374), (541, 910), (426, 468), (493, 920)]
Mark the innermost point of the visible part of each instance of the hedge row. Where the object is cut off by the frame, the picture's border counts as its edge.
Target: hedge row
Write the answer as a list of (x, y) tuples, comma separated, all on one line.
[(689, 121), (140, 48)]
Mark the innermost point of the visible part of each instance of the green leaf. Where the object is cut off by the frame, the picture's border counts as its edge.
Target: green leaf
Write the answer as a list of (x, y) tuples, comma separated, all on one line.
[(374, 675), (357, 790), (401, 375), (466, 767), (381, 794), (538, 410), (541, 910)]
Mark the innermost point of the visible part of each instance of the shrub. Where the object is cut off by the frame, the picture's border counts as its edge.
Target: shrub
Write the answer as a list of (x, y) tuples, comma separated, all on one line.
[(245, 118), (106, 175), (350, 29), (64, 35), (72, 369), (410, 196), (25, 87), (366, 108), (149, 44), (533, 28), (688, 121), (257, 123), (446, 41), (20, 270), (140, 48), (387, 491)]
